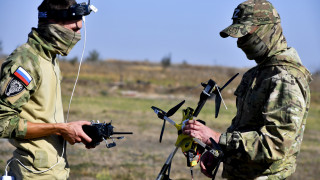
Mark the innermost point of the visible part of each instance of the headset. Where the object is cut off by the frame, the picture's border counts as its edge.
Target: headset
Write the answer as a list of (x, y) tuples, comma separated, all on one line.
[(74, 12)]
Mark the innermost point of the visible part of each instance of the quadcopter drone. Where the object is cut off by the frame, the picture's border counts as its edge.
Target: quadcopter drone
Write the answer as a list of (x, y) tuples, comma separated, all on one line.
[(192, 147)]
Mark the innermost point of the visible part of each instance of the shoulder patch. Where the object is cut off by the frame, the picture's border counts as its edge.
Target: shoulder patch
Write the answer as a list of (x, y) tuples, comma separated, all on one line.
[(23, 75), (14, 87)]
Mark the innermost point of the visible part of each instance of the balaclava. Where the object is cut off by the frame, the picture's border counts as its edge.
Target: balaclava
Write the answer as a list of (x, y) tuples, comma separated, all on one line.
[(266, 41), (60, 39)]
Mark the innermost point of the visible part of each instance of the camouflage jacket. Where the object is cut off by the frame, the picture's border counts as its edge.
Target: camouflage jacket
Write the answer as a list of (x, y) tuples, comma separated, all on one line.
[(265, 136), (30, 91)]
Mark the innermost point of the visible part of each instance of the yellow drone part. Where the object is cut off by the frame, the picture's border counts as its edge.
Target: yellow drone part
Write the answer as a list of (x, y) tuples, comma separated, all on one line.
[(194, 163), (185, 142)]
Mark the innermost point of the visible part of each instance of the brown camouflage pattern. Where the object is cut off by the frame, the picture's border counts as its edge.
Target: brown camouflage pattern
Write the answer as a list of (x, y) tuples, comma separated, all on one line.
[(266, 41), (273, 101), (272, 36), (248, 14), (264, 138)]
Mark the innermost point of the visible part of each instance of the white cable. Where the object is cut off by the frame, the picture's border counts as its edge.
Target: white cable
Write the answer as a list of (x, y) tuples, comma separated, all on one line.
[(6, 169), (74, 87), (75, 84), (35, 172)]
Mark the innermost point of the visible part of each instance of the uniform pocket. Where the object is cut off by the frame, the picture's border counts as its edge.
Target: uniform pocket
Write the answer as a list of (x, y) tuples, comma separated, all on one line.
[(41, 159)]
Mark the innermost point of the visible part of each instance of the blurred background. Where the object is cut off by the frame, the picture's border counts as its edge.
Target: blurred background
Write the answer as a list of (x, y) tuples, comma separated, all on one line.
[(142, 53), (187, 30)]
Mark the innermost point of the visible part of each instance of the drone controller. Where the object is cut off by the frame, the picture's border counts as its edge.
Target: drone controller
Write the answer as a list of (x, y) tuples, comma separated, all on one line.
[(102, 131)]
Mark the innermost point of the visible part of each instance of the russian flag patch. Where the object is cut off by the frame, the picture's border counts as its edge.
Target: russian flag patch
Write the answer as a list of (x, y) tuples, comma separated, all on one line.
[(23, 75)]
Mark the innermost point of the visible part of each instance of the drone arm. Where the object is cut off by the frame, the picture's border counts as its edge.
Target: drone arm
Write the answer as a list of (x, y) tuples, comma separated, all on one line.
[(162, 115), (166, 165), (216, 150), (170, 121), (200, 106), (205, 94)]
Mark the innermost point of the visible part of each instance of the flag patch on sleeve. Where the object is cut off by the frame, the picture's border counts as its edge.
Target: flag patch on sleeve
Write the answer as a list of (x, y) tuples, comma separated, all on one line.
[(23, 75)]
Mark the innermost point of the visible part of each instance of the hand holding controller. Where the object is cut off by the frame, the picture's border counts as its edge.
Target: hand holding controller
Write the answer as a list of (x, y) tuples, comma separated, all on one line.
[(101, 131)]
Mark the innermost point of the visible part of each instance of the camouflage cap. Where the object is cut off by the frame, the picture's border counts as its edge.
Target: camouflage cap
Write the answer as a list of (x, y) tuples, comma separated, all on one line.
[(248, 14)]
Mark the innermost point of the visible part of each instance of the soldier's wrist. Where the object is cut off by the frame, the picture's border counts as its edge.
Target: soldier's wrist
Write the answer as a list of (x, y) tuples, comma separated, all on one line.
[(59, 128)]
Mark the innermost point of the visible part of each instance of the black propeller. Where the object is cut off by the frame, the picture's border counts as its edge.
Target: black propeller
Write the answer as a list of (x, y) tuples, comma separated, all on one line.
[(162, 130), (231, 79), (175, 109), (162, 114), (217, 92), (218, 104)]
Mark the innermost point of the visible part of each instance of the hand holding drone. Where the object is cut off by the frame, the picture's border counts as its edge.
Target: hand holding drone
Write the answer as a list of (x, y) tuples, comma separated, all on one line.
[(101, 131), (192, 147)]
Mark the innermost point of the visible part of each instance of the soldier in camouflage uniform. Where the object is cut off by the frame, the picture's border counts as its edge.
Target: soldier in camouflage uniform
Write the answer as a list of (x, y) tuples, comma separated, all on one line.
[(30, 104), (273, 100)]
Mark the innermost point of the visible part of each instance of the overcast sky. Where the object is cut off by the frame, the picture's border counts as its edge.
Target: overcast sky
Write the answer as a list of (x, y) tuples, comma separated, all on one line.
[(151, 29)]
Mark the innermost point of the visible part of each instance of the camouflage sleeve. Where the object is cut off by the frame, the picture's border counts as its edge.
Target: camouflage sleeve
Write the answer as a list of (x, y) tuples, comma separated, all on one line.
[(283, 118), (15, 91)]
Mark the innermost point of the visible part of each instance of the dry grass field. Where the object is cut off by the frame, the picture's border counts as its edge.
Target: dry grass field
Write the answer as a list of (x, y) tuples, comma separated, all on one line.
[(124, 92)]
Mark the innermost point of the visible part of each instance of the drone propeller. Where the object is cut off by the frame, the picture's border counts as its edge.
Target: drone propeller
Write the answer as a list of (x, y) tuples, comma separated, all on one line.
[(162, 130), (175, 109), (218, 103), (231, 79), (164, 115), (219, 98)]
